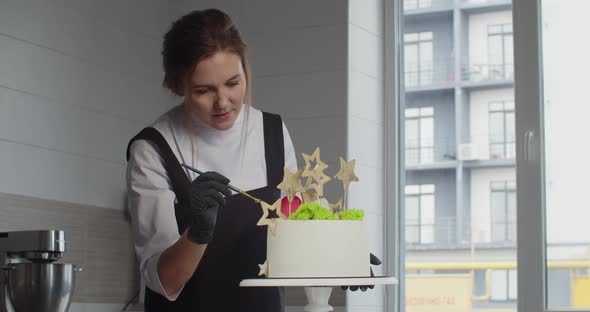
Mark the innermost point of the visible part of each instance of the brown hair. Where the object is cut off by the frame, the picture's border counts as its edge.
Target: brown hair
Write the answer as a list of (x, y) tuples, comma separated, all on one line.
[(196, 36)]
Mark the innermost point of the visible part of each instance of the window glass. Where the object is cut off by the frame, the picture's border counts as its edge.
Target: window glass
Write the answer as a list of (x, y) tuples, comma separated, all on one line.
[(459, 148), (565, 67)]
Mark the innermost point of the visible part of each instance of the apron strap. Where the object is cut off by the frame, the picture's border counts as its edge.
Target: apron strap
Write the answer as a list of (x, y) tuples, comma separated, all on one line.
[(274, 148), (178, 178)]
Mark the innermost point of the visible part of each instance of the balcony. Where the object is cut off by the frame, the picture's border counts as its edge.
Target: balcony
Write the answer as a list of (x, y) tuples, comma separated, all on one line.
[(429, 76), (438, 234), (420, 155), (442, 234), (482, 75), (426, 6), (503, 232), (482, 151), (480, 2), (483, 6)]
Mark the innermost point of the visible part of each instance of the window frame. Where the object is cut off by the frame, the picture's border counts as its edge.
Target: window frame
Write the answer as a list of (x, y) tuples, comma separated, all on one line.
[(505, 191), (418, 4), (528, 90), (531, 254), (508, 281), (394, 240), (421, 195), (502, 35), (422, 70), (422, 147), (507, 138)]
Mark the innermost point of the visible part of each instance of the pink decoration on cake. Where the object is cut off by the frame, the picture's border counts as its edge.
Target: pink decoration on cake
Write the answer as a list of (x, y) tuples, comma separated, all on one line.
[(289, 208)]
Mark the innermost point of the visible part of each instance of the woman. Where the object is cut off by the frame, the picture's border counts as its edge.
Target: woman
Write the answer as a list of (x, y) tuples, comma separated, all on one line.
[(195, 239)]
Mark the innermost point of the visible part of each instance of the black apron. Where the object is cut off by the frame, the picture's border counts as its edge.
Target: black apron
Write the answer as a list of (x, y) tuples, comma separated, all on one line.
[(238, 244)]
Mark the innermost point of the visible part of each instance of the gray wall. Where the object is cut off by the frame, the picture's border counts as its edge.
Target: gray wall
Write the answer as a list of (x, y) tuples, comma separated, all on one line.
[(77, 80)]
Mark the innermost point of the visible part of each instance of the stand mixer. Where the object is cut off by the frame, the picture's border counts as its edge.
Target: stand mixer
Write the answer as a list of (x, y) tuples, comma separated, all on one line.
[(29, 280)]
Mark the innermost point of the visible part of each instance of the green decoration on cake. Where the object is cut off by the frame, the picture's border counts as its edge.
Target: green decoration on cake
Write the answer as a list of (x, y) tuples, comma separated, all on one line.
[(352, 214), (313, 211)]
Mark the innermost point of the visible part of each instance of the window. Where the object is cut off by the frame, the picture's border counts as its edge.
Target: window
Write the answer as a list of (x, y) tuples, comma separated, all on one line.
[(418, 59), (450, 234), (500, 51), (552, 164), (417, 4), (501, 129), (504, 287), (419, 135), (420, 214), (564, 123), (503, 209)]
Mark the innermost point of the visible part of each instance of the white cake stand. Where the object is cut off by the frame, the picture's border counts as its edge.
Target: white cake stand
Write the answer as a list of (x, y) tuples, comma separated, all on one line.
[(318, 290)]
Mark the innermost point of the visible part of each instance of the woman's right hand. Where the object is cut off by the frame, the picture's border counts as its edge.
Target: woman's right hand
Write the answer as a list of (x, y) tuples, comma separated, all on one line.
[(206, 198)]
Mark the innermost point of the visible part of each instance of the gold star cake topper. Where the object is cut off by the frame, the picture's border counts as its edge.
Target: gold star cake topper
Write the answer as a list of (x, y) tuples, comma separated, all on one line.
[(291, 183), (311, 192), (263, 269), (309, 197), (316, 177), (271, 222), (337, 206), (346, 175)]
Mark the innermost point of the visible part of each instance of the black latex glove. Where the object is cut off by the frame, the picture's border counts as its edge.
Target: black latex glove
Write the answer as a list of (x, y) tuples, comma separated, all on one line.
[(206, 198), (374, 261)]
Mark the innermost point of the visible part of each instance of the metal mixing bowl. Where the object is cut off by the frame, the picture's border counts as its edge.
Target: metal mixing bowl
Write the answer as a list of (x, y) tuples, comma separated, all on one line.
[(39, 287)]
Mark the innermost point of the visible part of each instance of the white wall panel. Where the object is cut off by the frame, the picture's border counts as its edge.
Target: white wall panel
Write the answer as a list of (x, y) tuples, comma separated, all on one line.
[(376, 238), (365, 142), (42, 173), (77, 80), (105, 185), (31, 171), (365, 52), (66, 128), (366, 129), (365, 97), (64, 30), (367, 193), (37, 70), (368, 15)]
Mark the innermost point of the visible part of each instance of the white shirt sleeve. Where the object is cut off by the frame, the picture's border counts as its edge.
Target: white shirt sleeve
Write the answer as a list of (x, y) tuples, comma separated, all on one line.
[(151, 205), (290, 158)]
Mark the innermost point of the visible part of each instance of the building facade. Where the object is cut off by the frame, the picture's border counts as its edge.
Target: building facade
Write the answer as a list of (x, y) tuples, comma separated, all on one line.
[(460, 182)]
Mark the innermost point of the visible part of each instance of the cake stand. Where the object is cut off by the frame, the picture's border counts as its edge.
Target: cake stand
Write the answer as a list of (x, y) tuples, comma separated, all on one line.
[(318, 290)]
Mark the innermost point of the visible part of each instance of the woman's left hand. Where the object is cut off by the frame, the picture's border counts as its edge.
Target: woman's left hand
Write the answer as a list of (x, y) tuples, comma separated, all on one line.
[(372, 260)]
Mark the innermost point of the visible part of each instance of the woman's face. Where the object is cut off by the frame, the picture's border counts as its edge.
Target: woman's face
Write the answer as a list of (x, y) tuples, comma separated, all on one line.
[(215, 90)]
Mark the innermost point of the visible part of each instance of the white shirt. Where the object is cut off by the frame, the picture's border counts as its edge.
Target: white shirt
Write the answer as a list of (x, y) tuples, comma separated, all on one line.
[(235, 153)]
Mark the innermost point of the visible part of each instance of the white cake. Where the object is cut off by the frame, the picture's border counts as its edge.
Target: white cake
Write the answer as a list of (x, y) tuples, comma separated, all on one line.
[(318, 248)]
